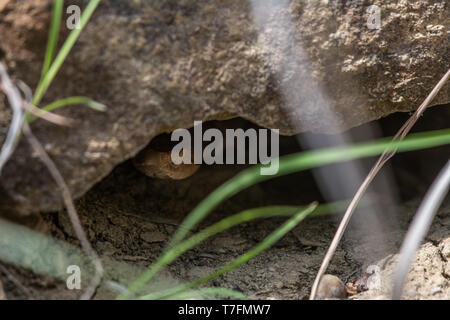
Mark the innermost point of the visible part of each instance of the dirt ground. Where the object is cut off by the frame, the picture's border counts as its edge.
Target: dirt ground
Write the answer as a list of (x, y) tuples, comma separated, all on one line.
[(130, 217)]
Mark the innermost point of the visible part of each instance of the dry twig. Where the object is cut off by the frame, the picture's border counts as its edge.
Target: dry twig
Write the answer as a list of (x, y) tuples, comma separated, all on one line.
[(73, 216), (43, 114), (17, 103)]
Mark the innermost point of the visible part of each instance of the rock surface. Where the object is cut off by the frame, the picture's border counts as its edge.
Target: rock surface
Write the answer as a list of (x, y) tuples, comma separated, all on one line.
[(427, 279), (160, 65)]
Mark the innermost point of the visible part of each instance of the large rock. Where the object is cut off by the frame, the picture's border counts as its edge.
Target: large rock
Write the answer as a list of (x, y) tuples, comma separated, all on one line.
[(160, 65)]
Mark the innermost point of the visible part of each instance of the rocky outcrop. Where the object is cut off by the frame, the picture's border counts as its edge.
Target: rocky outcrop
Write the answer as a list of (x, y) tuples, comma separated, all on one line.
[(160, 65)]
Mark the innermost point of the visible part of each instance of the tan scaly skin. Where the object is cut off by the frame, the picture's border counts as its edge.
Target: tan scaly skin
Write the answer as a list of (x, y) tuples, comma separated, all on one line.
[(158, 164)]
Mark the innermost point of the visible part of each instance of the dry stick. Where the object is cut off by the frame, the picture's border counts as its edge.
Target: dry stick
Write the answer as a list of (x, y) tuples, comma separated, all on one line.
[(13, 95), (43, 114), (17, 103), (74, 219), (81, 235), (50, 117), (373, 172)]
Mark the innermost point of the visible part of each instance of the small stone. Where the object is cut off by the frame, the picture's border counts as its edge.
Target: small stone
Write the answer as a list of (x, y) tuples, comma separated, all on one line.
[(331, 287)]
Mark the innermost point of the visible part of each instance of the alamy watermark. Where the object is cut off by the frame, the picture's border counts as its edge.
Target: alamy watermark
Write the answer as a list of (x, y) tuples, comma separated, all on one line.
[(374, 19), (374, 280), (234, 143), (73, 281), (73, 21)]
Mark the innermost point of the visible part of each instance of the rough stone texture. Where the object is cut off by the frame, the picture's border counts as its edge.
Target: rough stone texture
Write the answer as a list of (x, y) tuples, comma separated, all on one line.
[(160, 65), (428, 278)]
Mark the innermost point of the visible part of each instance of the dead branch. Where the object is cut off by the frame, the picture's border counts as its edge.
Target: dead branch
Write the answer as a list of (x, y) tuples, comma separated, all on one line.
[(15, 101), (43, 114), (73, 216), (19, 106)]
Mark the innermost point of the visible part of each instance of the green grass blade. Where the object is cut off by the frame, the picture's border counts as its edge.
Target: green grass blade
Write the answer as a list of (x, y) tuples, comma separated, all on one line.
[(302, 161), (65, 49), (210, 293), (53, 35), (66, 102), (265, 244), (225, 224)]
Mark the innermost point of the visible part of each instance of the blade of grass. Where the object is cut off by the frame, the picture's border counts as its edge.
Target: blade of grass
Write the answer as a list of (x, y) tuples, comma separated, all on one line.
[(65, 49), (263, 245), (302, 161), (66, 102), (53, 36), (210, 292), (225, 224)]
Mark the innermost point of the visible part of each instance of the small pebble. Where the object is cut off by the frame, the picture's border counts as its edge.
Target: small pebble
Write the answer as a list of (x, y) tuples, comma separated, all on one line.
[(331, 287)]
